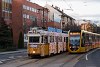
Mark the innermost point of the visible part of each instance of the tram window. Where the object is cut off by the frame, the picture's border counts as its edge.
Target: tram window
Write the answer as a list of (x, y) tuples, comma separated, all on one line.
[(45, 39), (93, 38), (57, 39), (90, 39), (83, 40), (60, 39), (34, 39), (42, 39), (67, 39), (83, 43), (83, 36), (86, 37), (64, 39), (51, 38)]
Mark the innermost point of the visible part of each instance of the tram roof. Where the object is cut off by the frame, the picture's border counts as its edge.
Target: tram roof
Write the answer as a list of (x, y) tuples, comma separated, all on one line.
[(75, 30), (84, 31), (90, 32)]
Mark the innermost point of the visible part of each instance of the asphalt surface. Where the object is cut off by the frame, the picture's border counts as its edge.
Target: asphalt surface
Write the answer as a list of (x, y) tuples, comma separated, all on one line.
[(90, 60), (20, 59), (12, 55), (60, 60)]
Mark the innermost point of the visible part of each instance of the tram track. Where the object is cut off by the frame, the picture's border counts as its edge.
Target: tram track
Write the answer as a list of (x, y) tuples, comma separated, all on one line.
[(60, 59), (44, 59), (67, 61), (55, 58), (20, 62), (28, 63)]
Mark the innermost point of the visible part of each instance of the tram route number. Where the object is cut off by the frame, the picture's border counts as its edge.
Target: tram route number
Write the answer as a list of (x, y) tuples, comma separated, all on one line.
[(35, 46)]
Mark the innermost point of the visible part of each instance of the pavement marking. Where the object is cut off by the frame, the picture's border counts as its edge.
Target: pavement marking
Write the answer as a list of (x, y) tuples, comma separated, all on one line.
[(19, 56), (89, 54), (11, 57), (8, 59), (90, 66), (1, 62)]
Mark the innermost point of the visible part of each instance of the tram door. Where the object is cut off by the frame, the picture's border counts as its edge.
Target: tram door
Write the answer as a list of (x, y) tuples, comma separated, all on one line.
[(44, 45)]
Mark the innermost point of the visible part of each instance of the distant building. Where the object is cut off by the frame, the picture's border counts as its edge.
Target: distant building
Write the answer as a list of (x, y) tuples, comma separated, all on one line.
[(87, 26), (58, 17), (54, 17), (67, 20)]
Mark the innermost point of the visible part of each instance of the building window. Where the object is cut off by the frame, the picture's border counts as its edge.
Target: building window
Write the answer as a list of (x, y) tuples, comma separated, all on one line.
[(28, 16), (24, 16), (7, 9), (33, 9), (24, 7), (28, 8), (33, 18), (10, 1), (7, 1), (28, 0)]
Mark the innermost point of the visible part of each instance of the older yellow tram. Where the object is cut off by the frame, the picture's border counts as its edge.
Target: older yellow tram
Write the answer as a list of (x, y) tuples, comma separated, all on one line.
[(45, 43), (82, 41)]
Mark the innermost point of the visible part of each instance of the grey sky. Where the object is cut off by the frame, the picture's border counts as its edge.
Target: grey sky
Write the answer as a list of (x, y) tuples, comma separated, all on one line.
[(82, 9)]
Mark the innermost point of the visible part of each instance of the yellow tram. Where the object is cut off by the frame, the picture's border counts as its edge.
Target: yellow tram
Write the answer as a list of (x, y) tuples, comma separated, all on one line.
[(45, 43), (82, 41)]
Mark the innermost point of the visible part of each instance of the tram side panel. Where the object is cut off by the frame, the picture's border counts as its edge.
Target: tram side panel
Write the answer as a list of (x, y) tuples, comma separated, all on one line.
[(65, 42), (52, 45), (44, 46)]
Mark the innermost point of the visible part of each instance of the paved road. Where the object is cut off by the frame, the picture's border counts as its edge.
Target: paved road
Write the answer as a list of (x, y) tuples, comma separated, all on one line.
[(91, 59), (12, 55), (61, 60)]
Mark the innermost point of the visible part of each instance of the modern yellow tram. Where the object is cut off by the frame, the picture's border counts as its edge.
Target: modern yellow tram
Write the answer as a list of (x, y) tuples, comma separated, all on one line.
[(45, 43), (82, 41)]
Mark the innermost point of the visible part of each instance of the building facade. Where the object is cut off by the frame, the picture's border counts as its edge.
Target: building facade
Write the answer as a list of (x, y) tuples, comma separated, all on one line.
[(34, 15), (87, 26), (58, 19), (54, 17), (67, 20), (21, 15)]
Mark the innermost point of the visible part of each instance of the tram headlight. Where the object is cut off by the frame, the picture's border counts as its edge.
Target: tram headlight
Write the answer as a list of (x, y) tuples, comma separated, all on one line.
[(77, 47), (70, 47), (33, 51)]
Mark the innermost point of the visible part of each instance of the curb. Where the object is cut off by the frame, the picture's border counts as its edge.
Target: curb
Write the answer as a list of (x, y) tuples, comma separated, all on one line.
[(10, 52)]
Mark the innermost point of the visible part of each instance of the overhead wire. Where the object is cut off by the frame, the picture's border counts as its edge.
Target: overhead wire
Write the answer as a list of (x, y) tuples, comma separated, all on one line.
[(69, 5)]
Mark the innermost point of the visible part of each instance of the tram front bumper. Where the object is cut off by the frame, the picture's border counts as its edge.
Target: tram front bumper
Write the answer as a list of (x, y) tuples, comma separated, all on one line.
[(34, 51)]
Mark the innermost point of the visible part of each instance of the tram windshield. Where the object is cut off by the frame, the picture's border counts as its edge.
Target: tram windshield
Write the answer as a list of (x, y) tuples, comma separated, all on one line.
[(34, 39), (75, 40)]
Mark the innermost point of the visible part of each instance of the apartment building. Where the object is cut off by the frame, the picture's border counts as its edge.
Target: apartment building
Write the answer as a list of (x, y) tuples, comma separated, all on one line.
[(21, 15)]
